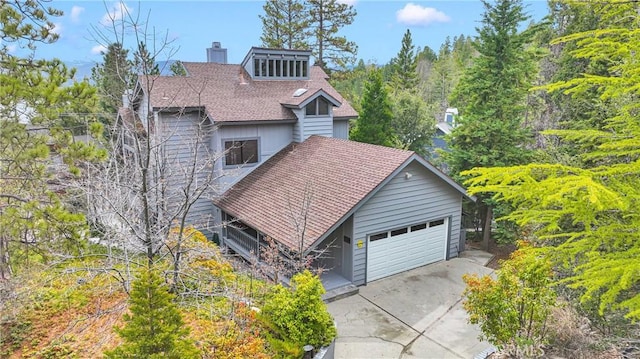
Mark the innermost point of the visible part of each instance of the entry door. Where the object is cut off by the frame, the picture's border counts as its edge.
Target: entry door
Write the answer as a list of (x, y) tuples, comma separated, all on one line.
[(347, 257)]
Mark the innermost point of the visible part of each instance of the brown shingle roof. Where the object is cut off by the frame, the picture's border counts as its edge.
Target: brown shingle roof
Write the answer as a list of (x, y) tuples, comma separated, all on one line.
[(229, 94), (336, 174)]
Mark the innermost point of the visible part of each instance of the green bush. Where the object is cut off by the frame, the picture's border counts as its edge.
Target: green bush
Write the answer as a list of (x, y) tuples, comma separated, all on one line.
[(155, 328), (512, 310), (297, 316)]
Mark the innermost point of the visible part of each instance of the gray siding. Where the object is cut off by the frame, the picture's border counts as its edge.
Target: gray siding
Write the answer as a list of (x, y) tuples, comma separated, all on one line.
[(271, 139), (341, 129), (317, 125), (402, 202), (186, 140)]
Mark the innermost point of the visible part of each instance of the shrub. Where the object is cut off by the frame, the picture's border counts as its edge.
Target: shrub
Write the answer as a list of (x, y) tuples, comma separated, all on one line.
[(512, 310), (297, 316), (154, 328)]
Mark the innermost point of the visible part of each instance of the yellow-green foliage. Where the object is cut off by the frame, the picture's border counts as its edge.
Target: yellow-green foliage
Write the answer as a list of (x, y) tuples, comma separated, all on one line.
[(297, 314), (512, 310), (589, 217)]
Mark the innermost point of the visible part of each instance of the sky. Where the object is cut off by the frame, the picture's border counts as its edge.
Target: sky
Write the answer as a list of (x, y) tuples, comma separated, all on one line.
[(191, 26)]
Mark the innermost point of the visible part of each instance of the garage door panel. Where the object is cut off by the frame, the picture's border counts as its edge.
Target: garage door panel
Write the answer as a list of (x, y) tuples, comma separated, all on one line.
[(399, 253)]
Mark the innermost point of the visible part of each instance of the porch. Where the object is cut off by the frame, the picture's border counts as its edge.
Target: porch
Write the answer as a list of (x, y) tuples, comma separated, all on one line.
[(250, 245)]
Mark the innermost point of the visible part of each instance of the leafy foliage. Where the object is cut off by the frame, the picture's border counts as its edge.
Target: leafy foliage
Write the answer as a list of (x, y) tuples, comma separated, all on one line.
[(413, 122), (512, 310), (112, 77), (155, 328), (298, 315)]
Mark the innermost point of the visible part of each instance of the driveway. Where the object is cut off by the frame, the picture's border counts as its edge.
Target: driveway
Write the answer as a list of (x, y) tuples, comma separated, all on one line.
[(415, 314)]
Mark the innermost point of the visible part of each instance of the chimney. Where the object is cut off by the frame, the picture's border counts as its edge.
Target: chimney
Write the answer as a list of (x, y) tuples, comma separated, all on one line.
[(217, 54)]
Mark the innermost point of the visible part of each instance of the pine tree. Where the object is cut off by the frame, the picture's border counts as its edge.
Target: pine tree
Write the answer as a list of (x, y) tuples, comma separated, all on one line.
[(285, 24), (112, 77), (587, 217), (374, 123), (491, 96), (154, 327), (144, 62), (405, 75), (177, 69), (35, 97), (327, 18)]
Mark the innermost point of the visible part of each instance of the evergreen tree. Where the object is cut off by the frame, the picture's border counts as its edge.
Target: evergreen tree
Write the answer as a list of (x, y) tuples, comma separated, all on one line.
[(374, 123), (327, 18), (587, 217), (413, 122), (177, 69), (144, 62), (112, 77), (491, 96), (405, 75), (34, 97), (285, 24), (154, 327)]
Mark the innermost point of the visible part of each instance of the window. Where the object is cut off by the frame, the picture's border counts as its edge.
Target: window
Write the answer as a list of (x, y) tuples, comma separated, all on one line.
[(240, 152), (317, 107), (436, 223), (377, 236), (418, 227), (282, 68), (398, 232)]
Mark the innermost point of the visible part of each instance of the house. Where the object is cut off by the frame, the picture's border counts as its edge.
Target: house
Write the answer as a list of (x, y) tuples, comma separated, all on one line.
[(286, 170)]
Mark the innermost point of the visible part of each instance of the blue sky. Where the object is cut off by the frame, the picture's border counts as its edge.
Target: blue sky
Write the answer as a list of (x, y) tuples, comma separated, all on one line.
[(193, 25)]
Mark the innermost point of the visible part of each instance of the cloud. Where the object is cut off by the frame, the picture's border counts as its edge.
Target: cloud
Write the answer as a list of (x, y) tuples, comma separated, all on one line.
[(98, 49), (416, 15), (75, 13), (118, 11), (57, 28), (12, 48), (348, 2)]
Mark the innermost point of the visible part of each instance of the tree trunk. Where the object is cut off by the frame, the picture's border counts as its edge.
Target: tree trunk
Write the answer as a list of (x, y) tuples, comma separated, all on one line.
[(487, 217), (5, 267)]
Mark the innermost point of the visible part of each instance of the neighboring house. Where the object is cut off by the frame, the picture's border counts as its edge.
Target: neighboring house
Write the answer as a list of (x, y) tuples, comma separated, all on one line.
[(288, 171)]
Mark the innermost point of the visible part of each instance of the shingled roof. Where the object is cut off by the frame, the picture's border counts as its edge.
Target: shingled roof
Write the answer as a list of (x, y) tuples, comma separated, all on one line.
[(335, 174), (229, 94)]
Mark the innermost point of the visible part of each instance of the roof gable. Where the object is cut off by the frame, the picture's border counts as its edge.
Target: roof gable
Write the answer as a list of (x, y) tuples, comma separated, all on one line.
[(228, 93), (333, 176)]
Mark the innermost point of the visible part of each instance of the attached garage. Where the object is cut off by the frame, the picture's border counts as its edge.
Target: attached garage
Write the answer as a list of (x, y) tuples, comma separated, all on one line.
[(405, 248)]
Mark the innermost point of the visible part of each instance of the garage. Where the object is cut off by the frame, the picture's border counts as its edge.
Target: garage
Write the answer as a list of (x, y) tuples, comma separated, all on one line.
[(401, 249)]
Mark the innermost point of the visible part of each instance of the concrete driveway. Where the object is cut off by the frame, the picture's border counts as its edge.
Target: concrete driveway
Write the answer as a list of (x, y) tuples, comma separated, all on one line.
[(415, 314)]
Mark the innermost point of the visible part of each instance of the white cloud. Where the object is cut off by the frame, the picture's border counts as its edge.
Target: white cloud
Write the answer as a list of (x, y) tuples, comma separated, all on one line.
[(118, 11), (98, 49), (12, 48), (75, 13), (416, 15), (57, 28), (348, 2)]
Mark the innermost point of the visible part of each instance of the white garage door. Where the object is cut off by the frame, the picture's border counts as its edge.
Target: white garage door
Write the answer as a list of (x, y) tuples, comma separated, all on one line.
[(401, 249)]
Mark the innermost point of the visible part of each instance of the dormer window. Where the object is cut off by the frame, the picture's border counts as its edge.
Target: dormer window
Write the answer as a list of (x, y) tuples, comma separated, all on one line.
[(280, 68), (317, 107), (277, 64)]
